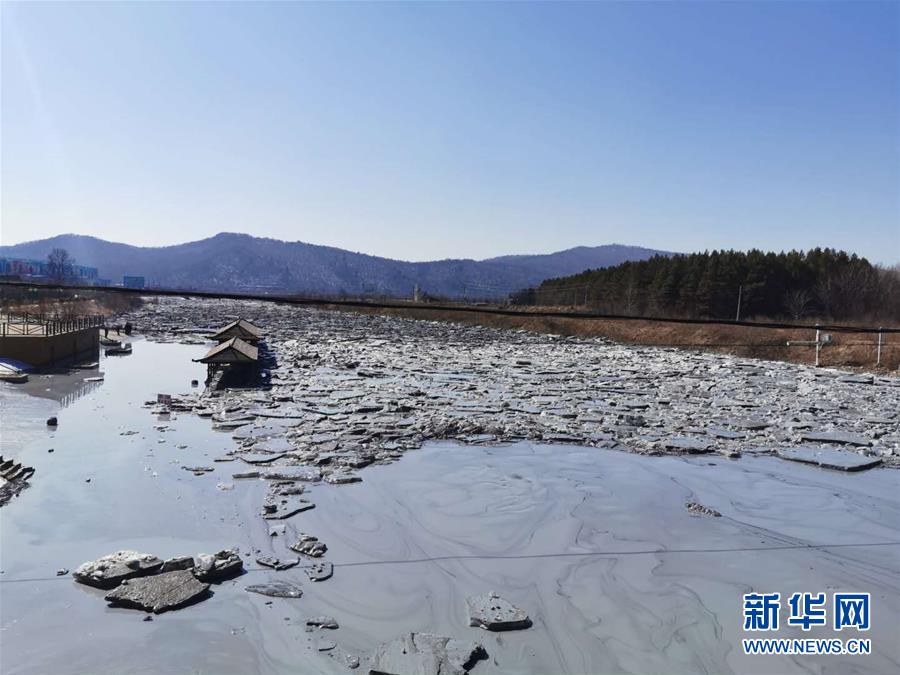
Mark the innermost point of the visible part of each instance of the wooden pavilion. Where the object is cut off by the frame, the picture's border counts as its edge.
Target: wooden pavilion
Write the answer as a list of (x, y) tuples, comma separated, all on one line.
[(239, 328), (234, 353)]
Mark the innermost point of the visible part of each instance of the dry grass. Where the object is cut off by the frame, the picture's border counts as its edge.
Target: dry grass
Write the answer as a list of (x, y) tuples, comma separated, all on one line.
[(105, 304)]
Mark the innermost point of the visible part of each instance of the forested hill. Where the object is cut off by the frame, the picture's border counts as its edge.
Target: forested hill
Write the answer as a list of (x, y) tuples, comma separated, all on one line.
[(240, 262), (821, 282)]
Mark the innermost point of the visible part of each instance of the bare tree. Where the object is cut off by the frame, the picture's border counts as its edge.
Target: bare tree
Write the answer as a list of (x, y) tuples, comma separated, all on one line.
[(797, 302), (847, 293), (629, 297), (889, 292), (60, 264)]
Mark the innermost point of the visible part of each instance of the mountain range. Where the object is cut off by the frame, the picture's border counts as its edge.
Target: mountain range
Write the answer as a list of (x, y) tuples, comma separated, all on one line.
[(240, 262)]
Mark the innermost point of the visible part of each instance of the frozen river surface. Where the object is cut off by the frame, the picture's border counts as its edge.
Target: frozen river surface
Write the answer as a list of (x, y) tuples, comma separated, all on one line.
[(594, 543)]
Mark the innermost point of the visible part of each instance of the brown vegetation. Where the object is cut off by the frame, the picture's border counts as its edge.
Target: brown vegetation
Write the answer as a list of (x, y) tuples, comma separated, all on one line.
[(63, 302)]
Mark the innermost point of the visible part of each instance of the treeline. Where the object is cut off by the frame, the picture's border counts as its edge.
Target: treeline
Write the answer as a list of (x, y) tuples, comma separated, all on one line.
[(821, 283)]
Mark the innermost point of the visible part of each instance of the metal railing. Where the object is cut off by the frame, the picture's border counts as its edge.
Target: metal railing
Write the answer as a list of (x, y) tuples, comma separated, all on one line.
[(31, 324)]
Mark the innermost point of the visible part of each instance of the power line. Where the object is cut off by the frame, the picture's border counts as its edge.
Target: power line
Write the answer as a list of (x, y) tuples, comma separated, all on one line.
[(544, 556)]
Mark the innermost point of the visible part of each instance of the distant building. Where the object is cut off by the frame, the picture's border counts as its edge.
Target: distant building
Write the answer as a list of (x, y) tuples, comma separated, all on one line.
[(133, 282), (84, 272), (27, 268), (22, 267)]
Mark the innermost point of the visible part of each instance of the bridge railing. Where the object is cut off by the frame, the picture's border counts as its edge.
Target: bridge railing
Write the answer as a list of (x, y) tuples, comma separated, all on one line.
[(38, 324)]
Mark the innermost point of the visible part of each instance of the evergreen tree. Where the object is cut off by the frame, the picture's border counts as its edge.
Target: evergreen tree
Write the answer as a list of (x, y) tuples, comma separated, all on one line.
[(823, 282)]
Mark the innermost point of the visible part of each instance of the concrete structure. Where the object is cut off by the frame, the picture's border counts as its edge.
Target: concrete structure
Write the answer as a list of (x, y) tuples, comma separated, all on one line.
[(39, 341)]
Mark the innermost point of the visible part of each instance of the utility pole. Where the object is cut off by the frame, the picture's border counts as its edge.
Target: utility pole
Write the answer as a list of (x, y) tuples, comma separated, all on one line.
[(737, 316), (880, 342)]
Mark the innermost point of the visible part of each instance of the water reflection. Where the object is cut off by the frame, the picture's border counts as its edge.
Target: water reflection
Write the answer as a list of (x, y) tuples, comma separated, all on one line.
[(81, 390), (25, 407)]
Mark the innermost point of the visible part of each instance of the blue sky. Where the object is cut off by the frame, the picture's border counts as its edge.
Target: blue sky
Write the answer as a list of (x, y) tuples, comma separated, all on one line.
[(423, 131)]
